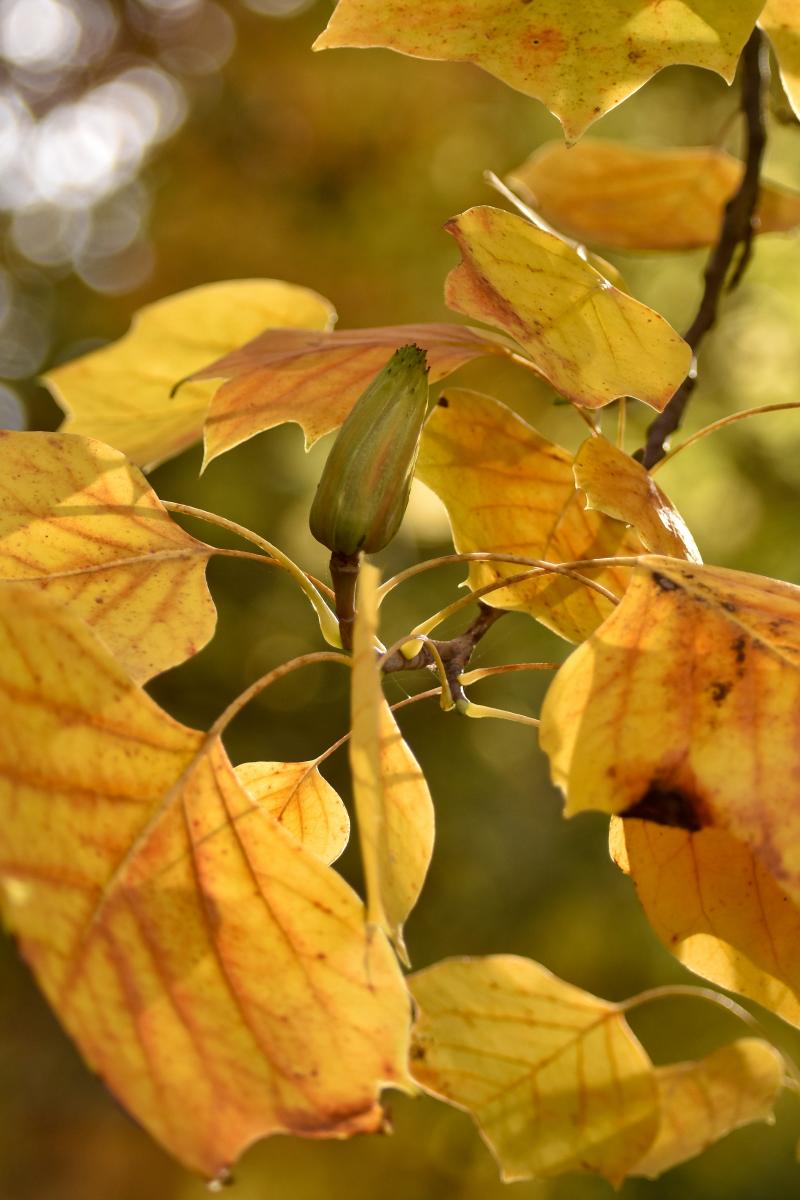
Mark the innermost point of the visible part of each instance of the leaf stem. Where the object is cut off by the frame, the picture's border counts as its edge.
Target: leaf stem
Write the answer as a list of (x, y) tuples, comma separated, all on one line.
[(721, 423), (566, 568), (255, 689)]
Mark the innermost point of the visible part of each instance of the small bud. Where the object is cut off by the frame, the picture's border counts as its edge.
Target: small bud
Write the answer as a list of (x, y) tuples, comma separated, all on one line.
[(364, 489)]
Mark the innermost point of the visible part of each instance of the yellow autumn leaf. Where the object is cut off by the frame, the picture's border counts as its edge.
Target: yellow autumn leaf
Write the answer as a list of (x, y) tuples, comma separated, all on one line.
[(716, 907), (215, 973), (590, 341), (579, 64), (509, 490), (393, 804), (629, 198), (314, 379), (704, 1101), (683, 709), (84, 525), (121, 393), (620, 487), (553, 1076), (780, 20), (302, 801)]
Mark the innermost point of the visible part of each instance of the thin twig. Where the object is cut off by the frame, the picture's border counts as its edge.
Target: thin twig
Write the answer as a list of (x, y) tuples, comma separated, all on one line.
[(738, 228)]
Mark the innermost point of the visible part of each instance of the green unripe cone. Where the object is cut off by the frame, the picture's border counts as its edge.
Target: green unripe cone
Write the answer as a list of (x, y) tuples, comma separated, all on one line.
[(364, 489)]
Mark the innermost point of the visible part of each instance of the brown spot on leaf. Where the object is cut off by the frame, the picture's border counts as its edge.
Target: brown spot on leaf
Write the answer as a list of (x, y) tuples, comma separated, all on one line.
[(664, 806), (738, 646), (666, 585), (719, 690)]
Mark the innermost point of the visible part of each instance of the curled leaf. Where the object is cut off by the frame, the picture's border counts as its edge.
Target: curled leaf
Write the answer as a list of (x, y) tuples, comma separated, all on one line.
[(620, 487), (302, 801), (509, 490), (629, 198), (84, 525), (212, 970), (592, 342), (121, 393)]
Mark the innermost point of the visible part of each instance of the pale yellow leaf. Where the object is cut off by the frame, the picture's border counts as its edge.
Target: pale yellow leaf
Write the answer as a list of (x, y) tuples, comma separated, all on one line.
[(704, 1101), (393, 804), (121, 393), (509, 490), (780, 20), (620, 487), (84, 525), (553, 1075), (590, 341), (218, 976), (302, 801)]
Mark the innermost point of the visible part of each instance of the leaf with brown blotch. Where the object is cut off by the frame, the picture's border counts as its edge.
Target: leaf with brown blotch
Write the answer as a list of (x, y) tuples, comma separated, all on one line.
[(121, 393), (314, 379), (509, 490), (83, 524), (704, 1101), (590, 341), (716, 907), (393, 804), (629, 198), (553, 1076), (684, 708), (620, 487), (215, 973), (579, 64), (302, 801), (780, 20)]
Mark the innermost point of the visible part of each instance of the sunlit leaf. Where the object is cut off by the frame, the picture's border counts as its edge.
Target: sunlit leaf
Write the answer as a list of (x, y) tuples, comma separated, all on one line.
[(592, 342), (393, 804), (77, 519), (315, 379), (617, 485), (302, 801), (212, 970), (683, 709), (704, 1101), (580, 65), (781, 21), (121, 394), (629, 198), (553, 1076), (717, 908), (509, 490)]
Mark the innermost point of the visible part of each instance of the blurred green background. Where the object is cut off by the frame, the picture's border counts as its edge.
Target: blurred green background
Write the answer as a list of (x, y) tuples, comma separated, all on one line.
[(152, 145)]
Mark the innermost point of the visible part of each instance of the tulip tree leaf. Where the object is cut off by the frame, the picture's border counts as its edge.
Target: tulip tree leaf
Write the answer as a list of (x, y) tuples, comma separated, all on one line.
[(84, 525), (121, 393), (302, 801), (393, 804), (716, 907), (509, 490), (780, 20), (617, 485), (592, 342), (580, 64), (683, 709), (314, 379), (212, 970), (627, 198)]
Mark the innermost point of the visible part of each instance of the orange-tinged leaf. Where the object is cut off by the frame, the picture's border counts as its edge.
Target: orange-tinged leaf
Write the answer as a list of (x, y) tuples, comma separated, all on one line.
[(315, 379), (509, 490), (579, 64), (217, 975), (553, 1076), (121, 393), (628, 198), (302, 801), (393, 804), (704, 1101), (716, 907), (780, 20), (684, 707), (592, 342), (84, 525), (620, 487)]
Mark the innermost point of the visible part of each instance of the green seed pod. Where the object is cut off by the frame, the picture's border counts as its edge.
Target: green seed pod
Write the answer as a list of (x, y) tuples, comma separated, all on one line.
[(363, 492)]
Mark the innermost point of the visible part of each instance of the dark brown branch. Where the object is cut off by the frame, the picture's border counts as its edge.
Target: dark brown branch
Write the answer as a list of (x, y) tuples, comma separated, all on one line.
[(738, 228), (455, 653)]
